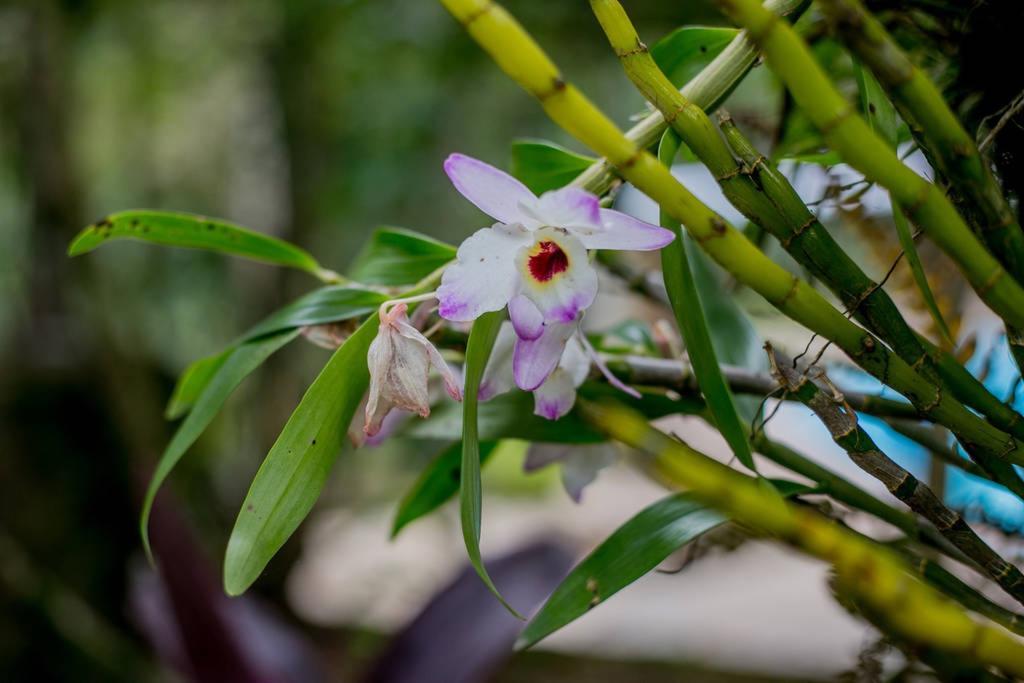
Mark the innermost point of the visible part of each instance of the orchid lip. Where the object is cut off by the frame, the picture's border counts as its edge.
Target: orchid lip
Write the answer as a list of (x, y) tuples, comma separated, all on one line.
[(547, 261)]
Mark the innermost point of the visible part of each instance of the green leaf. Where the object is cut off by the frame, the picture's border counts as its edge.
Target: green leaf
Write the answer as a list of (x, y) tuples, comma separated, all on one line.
[(876, 108), (634, 549), (882, 117), (689, 313), (543, 165), (629, 336), (294, 472), (333, 303), (436, 484), (733, 336), (510, 416), (396, 256), (682, 54), (478, 350), (196, 232), (827, 159), (917, 270), (235, 366), (192, 383)]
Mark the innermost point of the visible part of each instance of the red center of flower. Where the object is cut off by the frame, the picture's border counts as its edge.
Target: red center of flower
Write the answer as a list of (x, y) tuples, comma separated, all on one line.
[(547, 261)]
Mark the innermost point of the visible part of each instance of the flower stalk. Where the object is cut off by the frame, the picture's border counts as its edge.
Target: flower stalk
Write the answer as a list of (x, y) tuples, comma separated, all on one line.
[(845, 131), (519, 56)]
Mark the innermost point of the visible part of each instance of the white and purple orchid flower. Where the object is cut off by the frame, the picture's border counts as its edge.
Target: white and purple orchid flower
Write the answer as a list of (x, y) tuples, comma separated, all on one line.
[(534, 260), (556, 395)]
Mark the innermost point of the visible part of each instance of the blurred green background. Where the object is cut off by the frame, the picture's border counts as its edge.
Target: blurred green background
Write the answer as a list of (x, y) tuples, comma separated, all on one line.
[(313, 120)]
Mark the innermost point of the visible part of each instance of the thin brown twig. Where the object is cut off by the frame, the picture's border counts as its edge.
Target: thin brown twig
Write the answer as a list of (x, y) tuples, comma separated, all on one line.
[(813, 388), (1012, 110)]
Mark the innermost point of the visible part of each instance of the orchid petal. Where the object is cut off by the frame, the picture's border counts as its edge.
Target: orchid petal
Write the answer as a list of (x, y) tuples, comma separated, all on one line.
[(599, 362), (497, 377), (568, 207), (581, 466), (484, 276), (543, 454), (451, 384), (493, 191), (559, 293), (526, 317), (555, 397), (575, 360), (533, 360), (622, 231)]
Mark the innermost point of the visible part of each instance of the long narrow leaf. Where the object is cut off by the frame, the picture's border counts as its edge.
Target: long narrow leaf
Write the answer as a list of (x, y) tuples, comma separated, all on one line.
[(689, 313), (187, 230), (634, 549), (235, 367), (543, 165), (683, 53), (906, 238), (438, 483), (882, 117), (510, 416), (333, 303), (192, 383), (396, 256), (294, 472), (478, 350)]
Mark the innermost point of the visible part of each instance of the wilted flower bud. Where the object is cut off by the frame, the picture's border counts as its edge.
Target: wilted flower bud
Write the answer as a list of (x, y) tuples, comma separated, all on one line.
[(329, 335), (399, 360)]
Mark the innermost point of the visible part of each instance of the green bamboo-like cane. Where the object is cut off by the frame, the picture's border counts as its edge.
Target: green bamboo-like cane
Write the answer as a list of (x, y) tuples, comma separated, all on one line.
[(947, 582), (707, 89), (519, 56), (780, 211), (813, 389), (972, 392), (951, 148), (767, 198), (833, 267), (874, 575), (845, 131), (834, 486)]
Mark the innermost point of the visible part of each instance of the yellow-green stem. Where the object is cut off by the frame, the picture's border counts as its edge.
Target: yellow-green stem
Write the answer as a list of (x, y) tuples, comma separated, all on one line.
[(706, 90), (950, 147), (873, 575), (845, 131)]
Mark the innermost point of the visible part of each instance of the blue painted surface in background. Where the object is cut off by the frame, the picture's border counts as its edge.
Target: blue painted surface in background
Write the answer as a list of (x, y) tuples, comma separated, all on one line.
[(974, 497)]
